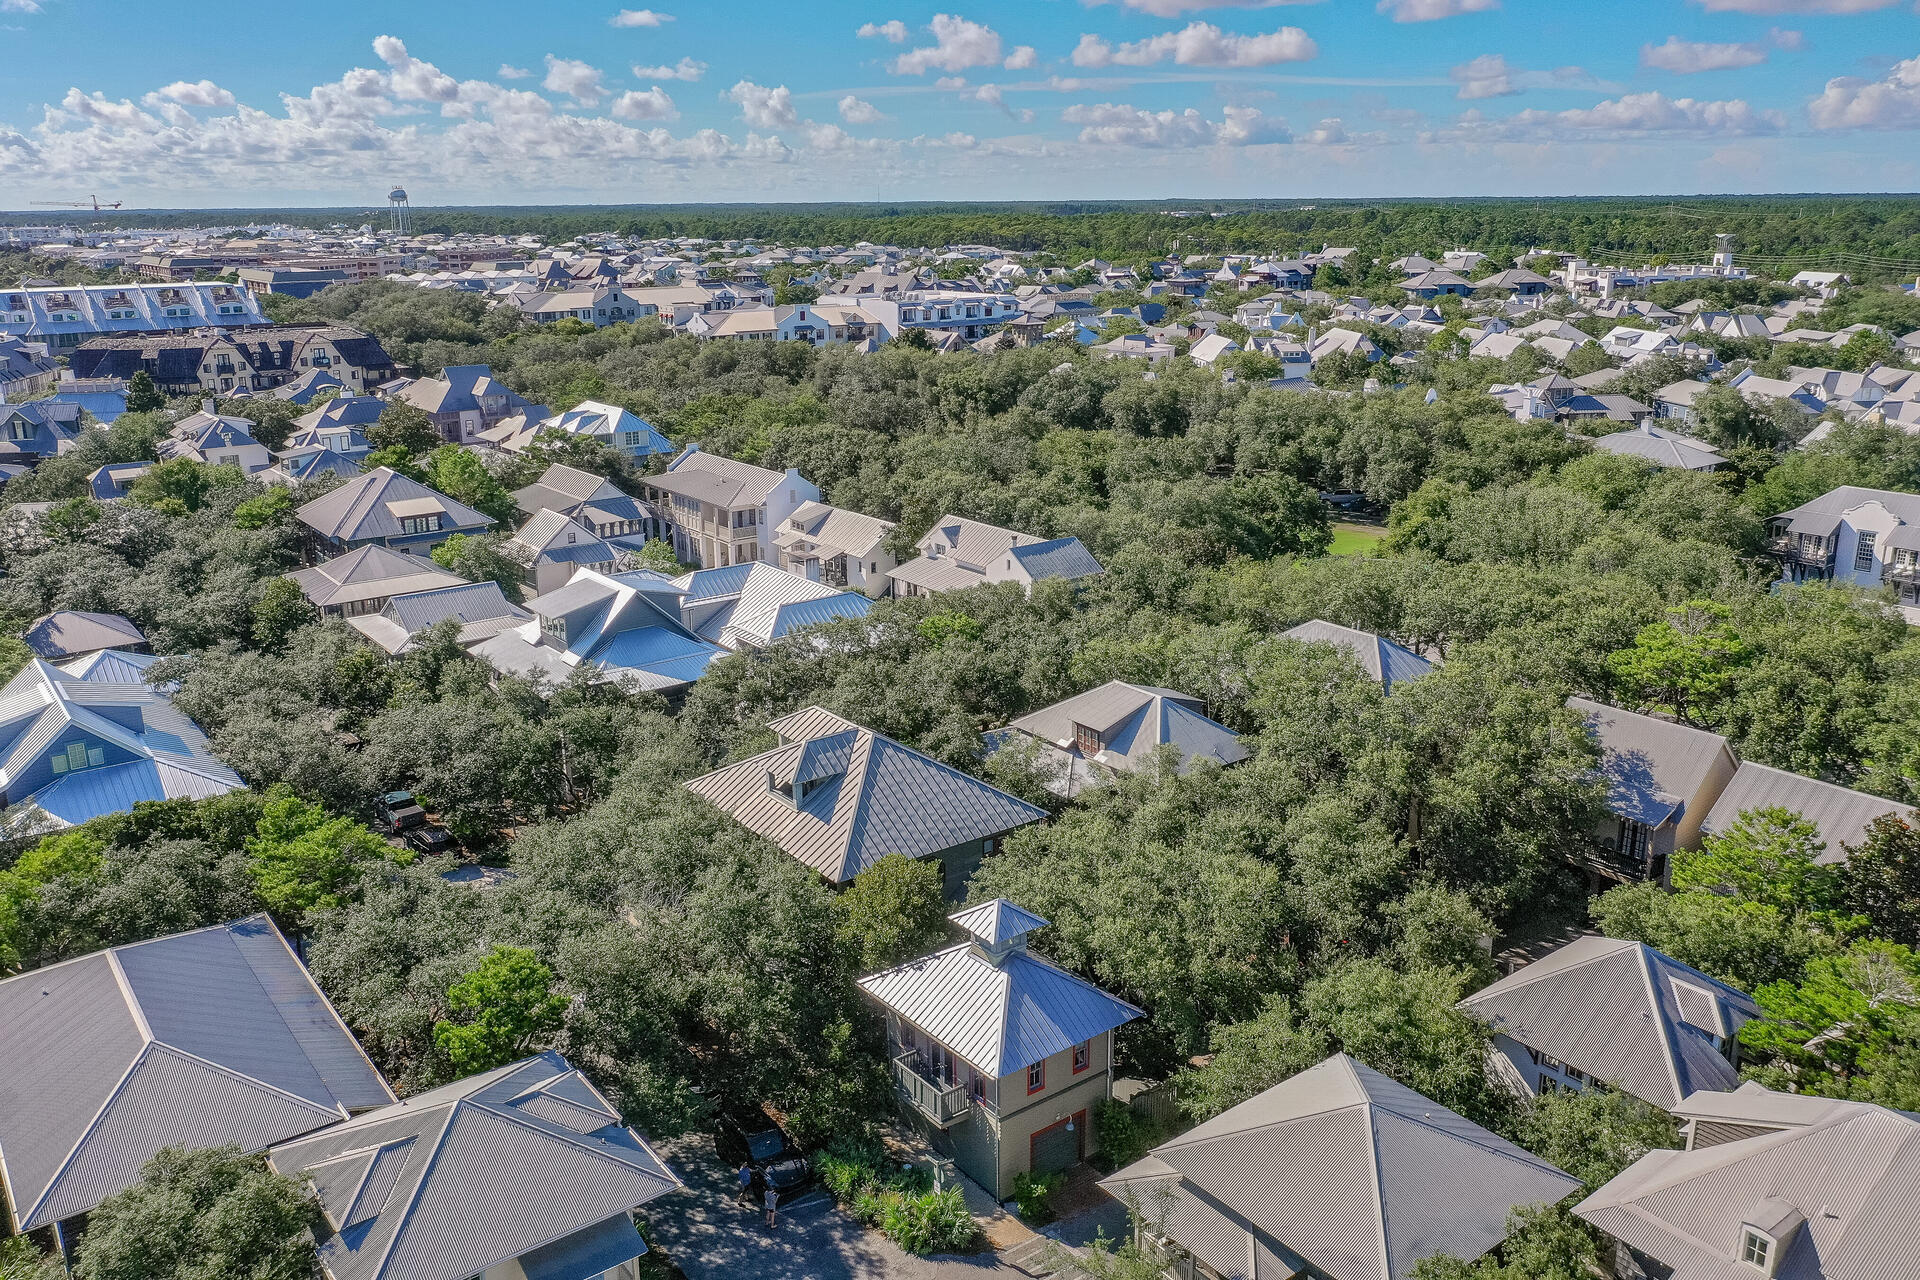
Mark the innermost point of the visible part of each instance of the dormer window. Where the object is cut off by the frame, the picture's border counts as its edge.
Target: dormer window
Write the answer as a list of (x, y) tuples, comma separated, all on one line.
[(779, 788), (77, 756), (1756, 1249), (1086, 741)]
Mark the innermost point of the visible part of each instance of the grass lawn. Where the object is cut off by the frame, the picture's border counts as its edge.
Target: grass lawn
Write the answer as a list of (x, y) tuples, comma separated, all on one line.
[(1355, 539)]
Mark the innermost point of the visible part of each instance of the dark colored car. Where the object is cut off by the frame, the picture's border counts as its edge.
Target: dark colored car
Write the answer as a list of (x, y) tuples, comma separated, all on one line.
[(398, 811), (429, 839), (752, 1136)]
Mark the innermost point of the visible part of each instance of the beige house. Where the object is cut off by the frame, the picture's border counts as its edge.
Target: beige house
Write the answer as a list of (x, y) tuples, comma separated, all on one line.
[(839, 548), (718, 511), (1662, 780), (958, 553), (998, 1055)]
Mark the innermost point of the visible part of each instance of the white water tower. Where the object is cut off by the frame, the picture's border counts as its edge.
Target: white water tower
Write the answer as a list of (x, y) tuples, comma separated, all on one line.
[(1723, 252), (399, 212)]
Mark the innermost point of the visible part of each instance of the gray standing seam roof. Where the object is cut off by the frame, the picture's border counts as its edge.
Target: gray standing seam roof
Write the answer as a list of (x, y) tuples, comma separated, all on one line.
[(1379, 657), (483, 1173), (68, 633), (1842, 816), (1623, 1013), (1133, 721), (198, 1039), (1652, 767), (1850, 1174), (890, 799), (359, 508), (1343, 1169)]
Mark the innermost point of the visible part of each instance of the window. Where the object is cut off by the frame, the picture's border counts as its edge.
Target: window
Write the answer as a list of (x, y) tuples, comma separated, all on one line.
[(907, 1040), (1755, 1248), (1086, 740), (420, 524), (1037, 1076), (1082, 1056), (78, 755), (1863, 552), (1548, 1060)]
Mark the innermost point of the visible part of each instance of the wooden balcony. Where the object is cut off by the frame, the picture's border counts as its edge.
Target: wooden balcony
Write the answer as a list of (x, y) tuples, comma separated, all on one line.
[(944, 1104)]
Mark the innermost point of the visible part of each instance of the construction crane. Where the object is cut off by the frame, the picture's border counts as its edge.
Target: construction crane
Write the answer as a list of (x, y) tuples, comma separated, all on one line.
[(91, 202)]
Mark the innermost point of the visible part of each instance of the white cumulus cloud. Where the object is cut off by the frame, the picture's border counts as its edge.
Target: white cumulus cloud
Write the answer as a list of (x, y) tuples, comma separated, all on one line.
[(1121, 125), (1850, 102), (958, 44), (1022, 57), (1491, 76), (584, 83), (763, 107), (1199, 44), (510, 72), (411, 79), (653, 104), (200, 93), (859, 111), (1432, 10), (1685, 57), (638, 18), (685, 69), (894, 31)]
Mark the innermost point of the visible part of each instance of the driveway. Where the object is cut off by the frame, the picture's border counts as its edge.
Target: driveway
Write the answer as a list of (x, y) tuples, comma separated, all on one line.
[(712, 1238)]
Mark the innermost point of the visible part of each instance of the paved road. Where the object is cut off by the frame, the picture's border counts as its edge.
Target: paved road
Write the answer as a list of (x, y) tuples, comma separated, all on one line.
[(712, 1238)]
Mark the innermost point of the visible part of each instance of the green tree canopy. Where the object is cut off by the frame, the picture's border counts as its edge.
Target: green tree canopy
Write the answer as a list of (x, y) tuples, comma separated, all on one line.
[(505, 1006)]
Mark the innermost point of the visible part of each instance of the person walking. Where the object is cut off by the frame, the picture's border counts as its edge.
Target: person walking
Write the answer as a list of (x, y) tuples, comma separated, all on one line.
[(745, 1195), (773, 1203)]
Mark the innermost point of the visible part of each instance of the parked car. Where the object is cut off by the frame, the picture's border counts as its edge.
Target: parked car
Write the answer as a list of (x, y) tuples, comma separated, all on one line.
[(429, 839), (398, 811), (751, 1135)]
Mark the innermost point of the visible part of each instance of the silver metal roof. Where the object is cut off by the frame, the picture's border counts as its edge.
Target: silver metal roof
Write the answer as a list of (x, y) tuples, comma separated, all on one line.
[(1623, 1013), (489, 1169), (889, 799), (1342, 1168), (1842, 816), (1848, 1179), (360, 509), (199, 1039), (1379, 657), (997, 923), (68, 633), (1652, 768), (1133, 721), (1000, 1014)]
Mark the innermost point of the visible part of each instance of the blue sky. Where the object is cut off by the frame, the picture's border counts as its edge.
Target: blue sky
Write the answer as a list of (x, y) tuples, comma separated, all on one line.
[(221, 103)]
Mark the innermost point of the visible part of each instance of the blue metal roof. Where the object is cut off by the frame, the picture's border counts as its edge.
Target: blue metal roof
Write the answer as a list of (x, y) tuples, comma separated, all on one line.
[(804, 613), (659, 650), (1060, 558)]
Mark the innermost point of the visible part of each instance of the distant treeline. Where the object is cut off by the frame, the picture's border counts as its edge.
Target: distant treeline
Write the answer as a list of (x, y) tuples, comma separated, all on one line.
[(1874, 236)]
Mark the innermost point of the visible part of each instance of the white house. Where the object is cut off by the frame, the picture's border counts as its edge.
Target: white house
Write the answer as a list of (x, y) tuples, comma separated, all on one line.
[(1868, 537)]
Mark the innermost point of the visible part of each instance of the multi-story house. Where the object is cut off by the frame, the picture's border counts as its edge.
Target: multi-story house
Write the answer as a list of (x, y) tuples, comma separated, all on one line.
[(216, 439), (364, 579), (37, 430), (64, 316), (621, 430), (465, 400), (1868, 537), (839, 798), (718, 511), (26, 370), (386, 508), (1661, 778), (237, 360), (1088, 738), (355, 359), (999, 1056), (837, 547), (597, 305), (810, 322), (958, 553), (1619, 1015), (594, 501)]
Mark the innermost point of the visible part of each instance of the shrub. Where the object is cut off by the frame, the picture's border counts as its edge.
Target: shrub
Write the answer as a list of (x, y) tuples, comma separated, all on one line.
[(1033, 1196), (1124, 1136), (850, 1166), (932, 1222)]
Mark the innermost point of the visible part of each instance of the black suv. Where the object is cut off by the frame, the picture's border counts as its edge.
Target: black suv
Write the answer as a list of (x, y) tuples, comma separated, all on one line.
[(750, 1135), (398, 811)]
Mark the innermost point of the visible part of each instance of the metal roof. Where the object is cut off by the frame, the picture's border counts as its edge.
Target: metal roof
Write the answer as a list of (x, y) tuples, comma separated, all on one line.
[(1652, 768), (199, 1039), (1623, 1013), (1666, 448), (369, 573), (751, 605), (997, 923), (725, 482), (1058, 558), (890, 799), (1000, 1013), (363, 508), (1842, 816), (482, 1174), (1378, 656), (1133, 721), (68, 633), (1843, 1183), (1344, 1170)]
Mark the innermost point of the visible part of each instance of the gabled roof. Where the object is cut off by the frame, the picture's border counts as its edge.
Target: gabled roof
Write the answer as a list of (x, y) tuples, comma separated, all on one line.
[(997, 1007), (833, 530), (1667, 448), (1840, 1186), (624, 625), (363, 508), (608, 422), (1133, 721), (1842, 816), (370, 573), (199, 1039), (481, 609), (725, 482), (1623, 1013), (462, 1178), (1652, 767), (882, 798), (68, 633), (752, 605), (159, 753), (1378, 656), (1835, 503), (1339, 1169)]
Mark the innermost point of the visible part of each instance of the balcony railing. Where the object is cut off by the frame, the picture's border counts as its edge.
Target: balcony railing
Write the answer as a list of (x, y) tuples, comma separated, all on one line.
[(944, 1104), (1808, 553)]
